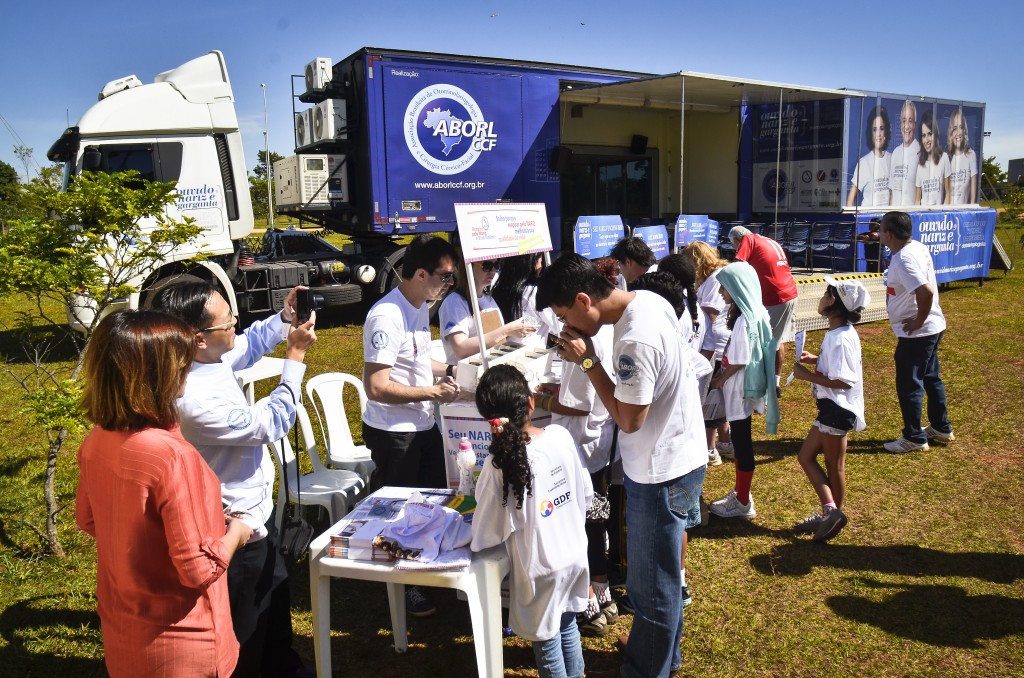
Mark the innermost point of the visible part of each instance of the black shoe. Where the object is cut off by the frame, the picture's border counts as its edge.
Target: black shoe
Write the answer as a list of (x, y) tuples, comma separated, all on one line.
[(610, 611), (416, 602), (687, 597), (778, 393), (625, 604)]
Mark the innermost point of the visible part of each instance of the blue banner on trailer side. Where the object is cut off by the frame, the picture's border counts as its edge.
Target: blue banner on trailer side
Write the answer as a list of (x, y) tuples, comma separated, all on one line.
[(960, 241), (656, 238), (595, 236)]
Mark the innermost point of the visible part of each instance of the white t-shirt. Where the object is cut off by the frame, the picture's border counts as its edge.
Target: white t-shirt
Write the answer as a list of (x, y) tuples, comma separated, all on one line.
[(652, 370), (962, 170), (737, 352), (931, 178), (903, 173), (398, 335), (455, 315), (709, 296), (545, 539), (593, 432), (693, 336), (872, 179), (547, 321), (908, 269), (840, 359)]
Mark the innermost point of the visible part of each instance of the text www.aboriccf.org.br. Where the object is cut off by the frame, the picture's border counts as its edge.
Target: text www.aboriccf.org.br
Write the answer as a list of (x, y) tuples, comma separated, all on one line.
[(471, 185)]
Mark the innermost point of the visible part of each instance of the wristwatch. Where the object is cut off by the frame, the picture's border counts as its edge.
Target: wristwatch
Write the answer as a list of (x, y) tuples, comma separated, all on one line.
[(449, 371), (589, 364)]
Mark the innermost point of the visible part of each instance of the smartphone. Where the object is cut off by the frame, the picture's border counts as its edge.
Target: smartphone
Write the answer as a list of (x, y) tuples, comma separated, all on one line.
[(552, 340)]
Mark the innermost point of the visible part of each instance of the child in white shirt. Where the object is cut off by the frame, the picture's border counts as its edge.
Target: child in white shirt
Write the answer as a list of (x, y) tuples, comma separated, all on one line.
[(542, 526), (838, 386)]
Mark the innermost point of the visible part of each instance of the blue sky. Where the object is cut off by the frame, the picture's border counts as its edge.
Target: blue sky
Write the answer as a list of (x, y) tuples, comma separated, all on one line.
[(55, 56)]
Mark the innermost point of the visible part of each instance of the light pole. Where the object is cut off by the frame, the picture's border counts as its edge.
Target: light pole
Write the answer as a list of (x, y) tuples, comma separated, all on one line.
[(266, 159)]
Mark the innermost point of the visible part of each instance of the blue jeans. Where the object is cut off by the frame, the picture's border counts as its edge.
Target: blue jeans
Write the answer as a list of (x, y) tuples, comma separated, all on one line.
[(917, 373), (654, 538), (561, 656)]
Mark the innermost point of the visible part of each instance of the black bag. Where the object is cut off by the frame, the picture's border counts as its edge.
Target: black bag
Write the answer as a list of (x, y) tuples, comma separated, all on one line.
[(296, 533)]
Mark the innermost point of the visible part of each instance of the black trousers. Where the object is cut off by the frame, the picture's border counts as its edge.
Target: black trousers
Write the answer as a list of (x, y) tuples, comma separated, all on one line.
[(261, 608), (414, 459)]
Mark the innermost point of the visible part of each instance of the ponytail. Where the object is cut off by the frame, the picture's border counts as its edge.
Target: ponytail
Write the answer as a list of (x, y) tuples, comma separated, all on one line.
[(502, 398)]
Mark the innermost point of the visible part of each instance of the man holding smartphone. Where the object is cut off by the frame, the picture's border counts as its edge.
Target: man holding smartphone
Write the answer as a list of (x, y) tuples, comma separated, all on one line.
[(230, 433)]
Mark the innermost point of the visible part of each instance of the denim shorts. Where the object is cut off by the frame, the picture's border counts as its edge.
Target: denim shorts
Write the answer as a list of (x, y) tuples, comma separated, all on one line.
[(684, 496), (834, 420)]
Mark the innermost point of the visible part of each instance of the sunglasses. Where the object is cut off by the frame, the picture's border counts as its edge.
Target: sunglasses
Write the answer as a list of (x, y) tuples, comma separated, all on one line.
[(223, 326), (446, 277), (488, 266)]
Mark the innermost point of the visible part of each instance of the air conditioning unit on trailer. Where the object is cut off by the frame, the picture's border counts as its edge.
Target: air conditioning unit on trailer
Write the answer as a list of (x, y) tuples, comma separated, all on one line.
[(318, 74), (329, 120), (304, 128), (301, 180)]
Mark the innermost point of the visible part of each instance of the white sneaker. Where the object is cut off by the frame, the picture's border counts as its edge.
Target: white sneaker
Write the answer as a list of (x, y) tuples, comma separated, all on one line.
[(714, 458), (730, 507), (902, 446), (725, 449), (939, 436)]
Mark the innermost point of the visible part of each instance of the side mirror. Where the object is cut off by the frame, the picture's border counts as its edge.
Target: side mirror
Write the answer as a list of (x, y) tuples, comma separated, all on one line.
[(92, 159)]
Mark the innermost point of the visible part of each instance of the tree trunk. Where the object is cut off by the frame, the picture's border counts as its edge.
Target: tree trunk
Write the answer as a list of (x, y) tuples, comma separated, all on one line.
[(52, 538)]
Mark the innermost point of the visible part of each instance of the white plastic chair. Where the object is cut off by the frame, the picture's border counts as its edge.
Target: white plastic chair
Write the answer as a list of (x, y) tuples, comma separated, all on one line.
[(324, 393), (333, 489)]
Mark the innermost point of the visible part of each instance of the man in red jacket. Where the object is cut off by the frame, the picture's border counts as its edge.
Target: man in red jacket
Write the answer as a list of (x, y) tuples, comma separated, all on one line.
[(778, 289)]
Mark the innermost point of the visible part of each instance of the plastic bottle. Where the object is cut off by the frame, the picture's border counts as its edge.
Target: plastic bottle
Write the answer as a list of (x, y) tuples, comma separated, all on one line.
[(467, 462)]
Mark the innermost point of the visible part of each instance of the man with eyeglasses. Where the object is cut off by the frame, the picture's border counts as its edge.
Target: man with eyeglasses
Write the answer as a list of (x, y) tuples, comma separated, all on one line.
[(402, 381), (655, 403), (230, 433)]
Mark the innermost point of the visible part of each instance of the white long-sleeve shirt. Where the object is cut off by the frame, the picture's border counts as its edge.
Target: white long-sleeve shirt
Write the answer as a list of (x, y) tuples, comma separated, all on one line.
[(229, 432)]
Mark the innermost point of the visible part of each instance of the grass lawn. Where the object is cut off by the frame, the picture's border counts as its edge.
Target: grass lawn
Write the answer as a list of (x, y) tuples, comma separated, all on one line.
[(927, 579)]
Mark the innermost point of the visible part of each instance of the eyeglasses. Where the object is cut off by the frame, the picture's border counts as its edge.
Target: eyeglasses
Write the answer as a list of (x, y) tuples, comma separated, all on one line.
[(561, 318), (230, 325), (488, 266), (446, 277)]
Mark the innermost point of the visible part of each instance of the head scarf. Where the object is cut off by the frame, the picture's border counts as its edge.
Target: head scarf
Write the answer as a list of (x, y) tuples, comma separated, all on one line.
[(740, 280)]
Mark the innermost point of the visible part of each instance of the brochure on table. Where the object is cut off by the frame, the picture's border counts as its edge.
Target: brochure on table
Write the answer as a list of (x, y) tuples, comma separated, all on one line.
[(495, 231)]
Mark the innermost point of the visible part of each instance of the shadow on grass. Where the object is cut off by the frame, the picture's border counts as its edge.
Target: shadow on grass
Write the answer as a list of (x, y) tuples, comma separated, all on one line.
[(937, 615), (24, 623), (54, 340), (799, 558)]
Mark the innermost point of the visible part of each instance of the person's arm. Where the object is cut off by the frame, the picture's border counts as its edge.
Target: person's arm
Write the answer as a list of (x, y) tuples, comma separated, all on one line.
[(851, 199), (924, 297), (719, 379), (801, 372), (198, 557), (464, 346), (946, 185), (574, 347), (380, 387), (917, 195), (974, 189)]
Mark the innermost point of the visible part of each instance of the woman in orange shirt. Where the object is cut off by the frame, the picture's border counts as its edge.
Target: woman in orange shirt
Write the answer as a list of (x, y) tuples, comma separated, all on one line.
[(153, 506)]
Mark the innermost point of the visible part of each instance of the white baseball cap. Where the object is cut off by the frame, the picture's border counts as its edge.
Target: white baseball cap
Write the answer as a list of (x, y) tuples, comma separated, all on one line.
[(853, 295)]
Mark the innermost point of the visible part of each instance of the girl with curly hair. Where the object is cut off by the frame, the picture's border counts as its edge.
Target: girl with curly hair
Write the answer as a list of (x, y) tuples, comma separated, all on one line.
[(532, 496)]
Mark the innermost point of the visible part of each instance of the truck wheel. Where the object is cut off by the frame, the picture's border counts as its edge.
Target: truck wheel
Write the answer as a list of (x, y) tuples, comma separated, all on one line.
[(149, 293)]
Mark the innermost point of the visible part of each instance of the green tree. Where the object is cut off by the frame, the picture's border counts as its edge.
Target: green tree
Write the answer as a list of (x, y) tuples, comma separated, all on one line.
[(8, 180), (260, 170), (82, 250), (993, 180)]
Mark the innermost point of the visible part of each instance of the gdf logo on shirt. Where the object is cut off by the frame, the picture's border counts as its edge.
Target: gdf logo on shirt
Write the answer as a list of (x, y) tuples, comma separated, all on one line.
[(546, 508), (445, 130)]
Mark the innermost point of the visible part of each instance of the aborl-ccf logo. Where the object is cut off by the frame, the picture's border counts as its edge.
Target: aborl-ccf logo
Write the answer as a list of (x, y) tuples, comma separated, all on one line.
[(445, 129)]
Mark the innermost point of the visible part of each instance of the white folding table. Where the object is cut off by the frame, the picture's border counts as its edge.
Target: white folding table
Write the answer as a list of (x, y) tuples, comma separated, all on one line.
[(481, 583)]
